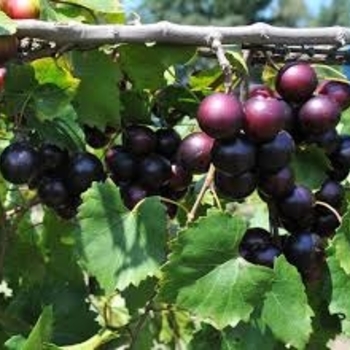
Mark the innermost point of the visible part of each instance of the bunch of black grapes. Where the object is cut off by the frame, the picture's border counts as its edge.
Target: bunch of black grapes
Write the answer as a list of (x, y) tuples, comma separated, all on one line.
[(252, 144), (145, 164), (58, 177)]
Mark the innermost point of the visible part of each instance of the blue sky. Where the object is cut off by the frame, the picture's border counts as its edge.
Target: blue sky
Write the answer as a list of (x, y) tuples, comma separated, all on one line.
[(313, 5)]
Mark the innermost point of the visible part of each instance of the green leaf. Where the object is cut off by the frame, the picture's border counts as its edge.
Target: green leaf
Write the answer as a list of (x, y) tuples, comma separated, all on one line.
[(243, 337), (340, 301), (106, 6), (247, 336), (325, 72), (7, 25), (120, 247), (237, 60), (269, 76), (97, 100), (63, 130), (205, 273), (24, 260), (148, 73), (135, 107), (310, 166), (19, 87), (50, 71), (49, 102), (15, 343), (341, 243), (47, 12), (41, 332), (136, 297), (286, 310), (325, 326), (204, 79), (344, 124)]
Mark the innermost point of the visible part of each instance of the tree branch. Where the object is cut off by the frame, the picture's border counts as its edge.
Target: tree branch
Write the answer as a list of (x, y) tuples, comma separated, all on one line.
[(171, 33)]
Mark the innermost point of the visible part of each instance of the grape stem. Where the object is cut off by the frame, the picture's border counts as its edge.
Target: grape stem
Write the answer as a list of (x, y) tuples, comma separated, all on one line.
[(207, 182), (215, 196), (331, 209), (244, 86), (273, 219), (167, 200), (223, 62)]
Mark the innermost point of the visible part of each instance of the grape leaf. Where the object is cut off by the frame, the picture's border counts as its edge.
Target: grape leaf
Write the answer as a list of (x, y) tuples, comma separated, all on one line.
[(49, 102), (19, 86), (41, 332), (107, 6), (63, 130), (341, 243), (50, 71), (148, 73), (206, 275), (340, 301), (325, 72), (242, 337), (47, 12), (97, 98), (310, 166), (120, 247), (15, 343), (7, 25), (286, 310)]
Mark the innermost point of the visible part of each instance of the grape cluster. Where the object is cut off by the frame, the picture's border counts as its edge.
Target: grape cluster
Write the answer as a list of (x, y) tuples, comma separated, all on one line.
[(58, 177), (254, 142), (145, 165)]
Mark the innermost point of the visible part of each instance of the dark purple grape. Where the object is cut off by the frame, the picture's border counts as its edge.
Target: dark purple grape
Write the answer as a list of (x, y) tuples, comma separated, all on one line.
[(275, 154), (342, 154), (220, 115), (84, 168), (304, 223), (301, 249), (319, 114), (259, 90), (339, 91), (325, 223), (339, 171), (296, 81), (174, 195), (121, 163), (329, 141), (194, 152), (139, 139), (265, 256), (53, 192), (255, 238), (264, 118), (168, 141), (66, 212), (132, 194), (235, 187), (19, 163), (235, 156), (180, 178), (298, 205), (332, 193), (95, 138), (154, 171), (53, 158), (289, 116), (279, 184)]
